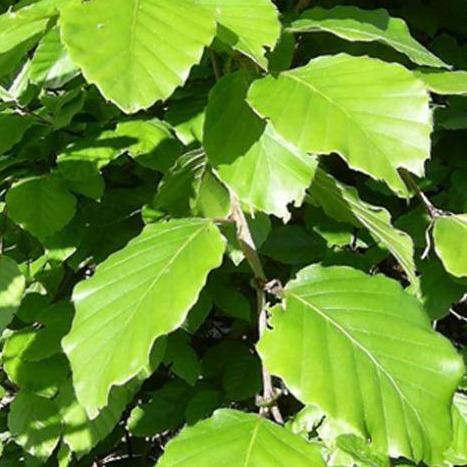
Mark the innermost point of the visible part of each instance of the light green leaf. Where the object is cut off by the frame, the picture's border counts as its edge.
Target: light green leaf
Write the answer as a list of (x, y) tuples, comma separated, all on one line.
[(249, 27), (12, 285), (191, 187), (457, 452), (233, 438), (265, 171), (35, 424), (150, 285), (146, 47), (51, 65), (342, 203), (444, 82), (373, 114), (450, 234), (151, 144), (354, 24), (19, 26), (41, 205), (342, 342)]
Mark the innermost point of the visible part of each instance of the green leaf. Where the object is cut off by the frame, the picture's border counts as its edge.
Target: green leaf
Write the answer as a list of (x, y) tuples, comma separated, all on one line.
[(146, 47), (51, 65), (80, 433), (438, 290), (165, 410), (450, 235), (457, 452), (41, 205), (292, 244), (444, 82), (14, 127), (355, 24), (373, 114), (342, 342), (19, 26), (231, 437), (35, 424), (42, 373), (358, 448), (202, 405), (152, 144), (82, 159), (235, 28), (12, 285), (342, 203), (264, 171), (191, 187), (150, 285), (182, 358)]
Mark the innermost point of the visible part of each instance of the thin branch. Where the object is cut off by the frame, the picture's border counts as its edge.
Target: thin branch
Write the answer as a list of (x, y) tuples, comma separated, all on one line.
[(247, 245), (432, 210), (457, 315)]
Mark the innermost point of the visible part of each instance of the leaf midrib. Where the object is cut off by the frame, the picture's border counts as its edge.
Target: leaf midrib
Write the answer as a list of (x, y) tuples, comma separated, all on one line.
[(355, 343)]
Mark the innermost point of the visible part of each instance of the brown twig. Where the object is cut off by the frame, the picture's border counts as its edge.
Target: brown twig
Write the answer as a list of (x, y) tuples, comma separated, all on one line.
[(432, 210), (268, 399)]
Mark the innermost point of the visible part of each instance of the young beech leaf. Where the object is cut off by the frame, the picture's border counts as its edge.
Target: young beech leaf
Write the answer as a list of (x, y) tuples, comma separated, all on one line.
[(450, 234), (139, 293), (375, 115), (363, 350), (146, 47), (12, 285), (265, 171), (234, 25), (41, 205), (234, 438), (343, 203), (355, 24)]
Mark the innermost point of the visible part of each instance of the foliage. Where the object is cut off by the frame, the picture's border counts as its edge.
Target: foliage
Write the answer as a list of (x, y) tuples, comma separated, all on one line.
[(233, 232)]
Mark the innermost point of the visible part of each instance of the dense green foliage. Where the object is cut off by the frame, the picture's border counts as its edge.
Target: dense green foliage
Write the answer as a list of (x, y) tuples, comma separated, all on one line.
[(233, 232)]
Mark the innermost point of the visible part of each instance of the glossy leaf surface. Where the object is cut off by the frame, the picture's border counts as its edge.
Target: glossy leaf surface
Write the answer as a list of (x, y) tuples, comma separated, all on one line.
[(163, 271), (152, 45), (373, 114), (350, 334)]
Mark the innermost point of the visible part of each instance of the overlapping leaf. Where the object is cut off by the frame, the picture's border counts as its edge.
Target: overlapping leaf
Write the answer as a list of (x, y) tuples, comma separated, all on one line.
[(138, 294), (355, 24), (35, 424), (265, 171), (343, 203), (51, 65), (373, 114), (363, 350), (232, 437), (26, 23), (146, 47), (247, 26)]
